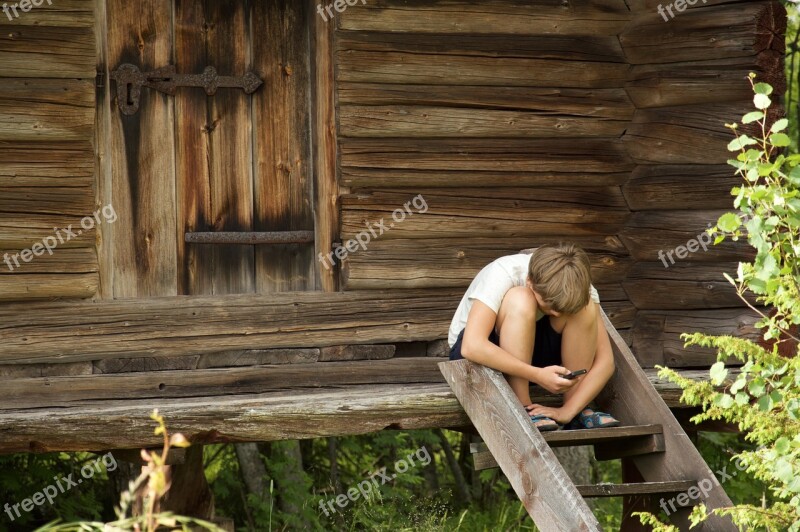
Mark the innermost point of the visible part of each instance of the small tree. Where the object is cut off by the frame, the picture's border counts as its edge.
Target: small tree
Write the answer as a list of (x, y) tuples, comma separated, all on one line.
[(764, 398)]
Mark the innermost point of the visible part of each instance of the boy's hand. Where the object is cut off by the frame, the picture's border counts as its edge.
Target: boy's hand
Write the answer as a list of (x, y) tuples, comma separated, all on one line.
[(552, 379)]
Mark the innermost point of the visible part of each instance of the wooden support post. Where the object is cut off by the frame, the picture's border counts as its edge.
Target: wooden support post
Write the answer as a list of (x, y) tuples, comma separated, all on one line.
[(523, 454)]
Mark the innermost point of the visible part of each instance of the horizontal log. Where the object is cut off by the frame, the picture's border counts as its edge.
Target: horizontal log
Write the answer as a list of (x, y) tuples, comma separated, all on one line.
[(649, 232), (691, 134), (455, 262), (567, 47), (46, 110), (597, 103), (58, 13), (711, 81), (26, 287), (359, 409), (47, 52), (45, 370), (715, 31), (67, 261), (649, 6), (685, 286), (681, 187), (189, 325), (601, 17), (433, 69), (621, 313), (20, 231), (443, 122), (256, 357), (511, 213), (542, 156), (657, 334)]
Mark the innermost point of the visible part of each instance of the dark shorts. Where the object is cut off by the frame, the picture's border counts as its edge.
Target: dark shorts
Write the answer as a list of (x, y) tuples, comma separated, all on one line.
[(546, 347)]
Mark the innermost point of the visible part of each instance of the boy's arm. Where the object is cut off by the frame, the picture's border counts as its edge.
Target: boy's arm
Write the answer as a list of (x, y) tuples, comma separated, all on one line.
[(477, 348)]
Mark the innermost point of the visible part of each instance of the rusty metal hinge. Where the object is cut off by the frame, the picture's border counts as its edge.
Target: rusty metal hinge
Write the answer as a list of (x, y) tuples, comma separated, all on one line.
[(130, 81)]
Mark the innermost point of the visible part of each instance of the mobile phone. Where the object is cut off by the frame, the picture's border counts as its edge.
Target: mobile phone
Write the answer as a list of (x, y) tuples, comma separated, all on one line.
[(574, 374)]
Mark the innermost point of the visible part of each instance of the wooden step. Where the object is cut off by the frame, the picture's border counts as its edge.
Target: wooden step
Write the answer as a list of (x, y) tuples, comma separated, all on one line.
[(609, 443), (635, 488)]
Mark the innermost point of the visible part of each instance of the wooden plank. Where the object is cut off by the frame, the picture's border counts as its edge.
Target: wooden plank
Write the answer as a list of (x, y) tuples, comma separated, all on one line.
[(141, 154), (174, 326), (689, 134), (715, 31), (565, 438), (598, 103), (153, 382), (568, 47), (442, 122), (684, 286), (434, 69), (543, 156), (255, 417), (634, 401), (18, 231), (68, 260), (144, 364), (27, 287), (33, 51), (398, 264), (214, 145), (500, 213), (325, 150), (530, 465), (680, 187), (657, 334), (46, 110), (636, 488), (647, 233), (281, 116), (356, 352), (543, 17), (103, 160), (257, 357), (632, 447), (58, 13)]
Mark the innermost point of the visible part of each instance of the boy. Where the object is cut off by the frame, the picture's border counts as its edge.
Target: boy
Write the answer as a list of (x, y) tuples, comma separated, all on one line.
[(536, 318)]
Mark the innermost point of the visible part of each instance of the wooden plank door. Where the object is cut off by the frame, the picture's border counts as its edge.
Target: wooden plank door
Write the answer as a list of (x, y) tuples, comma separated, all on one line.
[(198, 163)]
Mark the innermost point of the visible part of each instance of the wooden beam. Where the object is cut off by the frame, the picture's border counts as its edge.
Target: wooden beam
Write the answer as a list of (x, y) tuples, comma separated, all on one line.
[(530, 465), (32, 51), (636, 488), (190, 325)]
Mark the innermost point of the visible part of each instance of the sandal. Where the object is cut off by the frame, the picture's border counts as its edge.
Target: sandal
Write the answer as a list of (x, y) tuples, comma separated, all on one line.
[(591, 419), (545, 427)]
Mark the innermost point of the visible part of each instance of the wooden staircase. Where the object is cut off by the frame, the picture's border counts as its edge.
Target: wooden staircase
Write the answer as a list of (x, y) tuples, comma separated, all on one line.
[(651, 439)]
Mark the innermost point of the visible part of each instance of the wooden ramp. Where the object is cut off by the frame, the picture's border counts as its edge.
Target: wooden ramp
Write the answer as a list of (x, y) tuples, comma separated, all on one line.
[(650, 438)]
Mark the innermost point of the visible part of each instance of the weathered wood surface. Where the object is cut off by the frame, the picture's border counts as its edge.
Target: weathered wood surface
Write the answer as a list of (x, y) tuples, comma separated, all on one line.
[(138, 167), (413, 263), (648, 232), (21, 232), (684, 285), (22, 286), (302, 413), (33, 51), (531, 467), (282, 153), (46, 110), (61, 13), (603, 17), (634, 401), (656, 334), (636, 488), (214, 149), (501, 213), (325, 150), (681, 187), (748, 29), (188, 325)]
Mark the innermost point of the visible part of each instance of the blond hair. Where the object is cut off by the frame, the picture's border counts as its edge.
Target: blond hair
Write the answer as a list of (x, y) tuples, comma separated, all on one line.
[(561, 275)]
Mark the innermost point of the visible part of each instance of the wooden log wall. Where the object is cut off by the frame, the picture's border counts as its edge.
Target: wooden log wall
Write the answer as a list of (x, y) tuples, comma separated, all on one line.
[(47, 115), (597, 122)]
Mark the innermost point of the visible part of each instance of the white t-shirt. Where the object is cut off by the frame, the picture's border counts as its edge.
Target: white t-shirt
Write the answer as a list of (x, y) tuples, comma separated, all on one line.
[(490, 287)]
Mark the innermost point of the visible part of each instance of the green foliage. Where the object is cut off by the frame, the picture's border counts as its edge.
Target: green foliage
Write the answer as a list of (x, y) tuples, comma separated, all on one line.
[(763, 398)]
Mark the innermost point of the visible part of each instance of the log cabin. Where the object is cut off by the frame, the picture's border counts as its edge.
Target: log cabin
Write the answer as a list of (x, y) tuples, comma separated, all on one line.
[(245, 149)]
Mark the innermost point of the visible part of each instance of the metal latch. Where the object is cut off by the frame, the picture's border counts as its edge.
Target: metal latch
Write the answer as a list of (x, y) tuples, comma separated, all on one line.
[(130, 81)]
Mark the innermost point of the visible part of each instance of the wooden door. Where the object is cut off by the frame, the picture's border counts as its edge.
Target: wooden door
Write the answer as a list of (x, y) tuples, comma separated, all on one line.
[(197, 163)]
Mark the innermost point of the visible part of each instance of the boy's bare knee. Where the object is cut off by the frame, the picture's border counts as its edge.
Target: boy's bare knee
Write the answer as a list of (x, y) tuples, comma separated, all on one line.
[(520, 302)]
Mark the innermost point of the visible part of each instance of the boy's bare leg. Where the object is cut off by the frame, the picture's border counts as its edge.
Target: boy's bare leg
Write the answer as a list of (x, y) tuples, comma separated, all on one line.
[(516, 326)]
